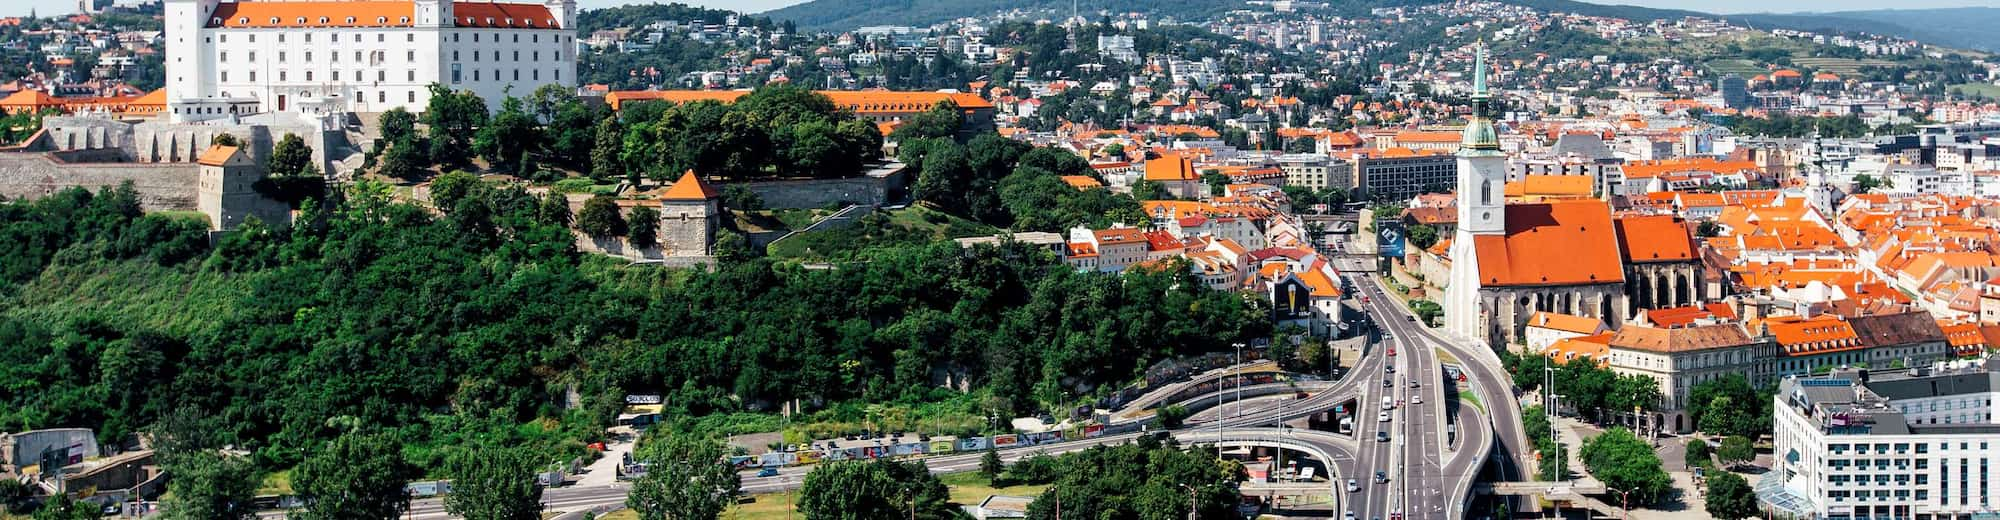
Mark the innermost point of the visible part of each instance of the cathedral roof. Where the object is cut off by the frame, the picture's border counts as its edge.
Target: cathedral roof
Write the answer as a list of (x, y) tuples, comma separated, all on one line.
[(1655, 238), (1549, 244)]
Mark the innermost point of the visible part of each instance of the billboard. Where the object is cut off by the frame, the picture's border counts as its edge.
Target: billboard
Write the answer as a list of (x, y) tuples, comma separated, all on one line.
[(1389, 238)]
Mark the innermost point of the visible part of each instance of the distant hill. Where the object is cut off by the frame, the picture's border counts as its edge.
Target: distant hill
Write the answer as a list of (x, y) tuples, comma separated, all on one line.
[(1960, 27), (1969, 27), (840, 15)]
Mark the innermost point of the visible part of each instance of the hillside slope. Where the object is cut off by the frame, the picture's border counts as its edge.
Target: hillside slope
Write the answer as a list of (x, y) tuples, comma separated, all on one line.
[(1962, 27)]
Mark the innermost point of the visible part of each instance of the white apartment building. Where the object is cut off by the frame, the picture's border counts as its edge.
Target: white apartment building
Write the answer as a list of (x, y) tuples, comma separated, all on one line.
[(328, 56), (1895, 446)]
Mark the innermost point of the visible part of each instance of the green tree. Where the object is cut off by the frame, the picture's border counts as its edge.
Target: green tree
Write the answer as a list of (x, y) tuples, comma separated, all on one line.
[(403, 160), (1171, 416), (291, 157), (453, 118), (1708, 229), (61, 507), (553, 209), (642, 226), (599, 218), (1422, 235), (224, 139), (1216, 181), (493, 484), (873, 490), (1736, 450), (990, 464), (1730, 497), (1865, 183), (397, 125), (686, 479), (1697, 454), (605, 162), (940, 122), (1625, 462), (507, 138), (1301, 145), (448, 189), (356, 475), (739, 198), (210, 485)]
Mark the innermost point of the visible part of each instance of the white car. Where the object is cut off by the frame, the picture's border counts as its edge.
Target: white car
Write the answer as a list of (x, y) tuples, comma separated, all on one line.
[(1382, 417), (1418, 399)]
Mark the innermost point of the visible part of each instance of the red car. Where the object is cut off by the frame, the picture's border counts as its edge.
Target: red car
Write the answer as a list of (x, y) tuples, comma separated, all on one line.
[(1392, 351)]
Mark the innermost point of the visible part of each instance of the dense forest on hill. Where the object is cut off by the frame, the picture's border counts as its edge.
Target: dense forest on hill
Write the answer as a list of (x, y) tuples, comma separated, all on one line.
[(484, 322)]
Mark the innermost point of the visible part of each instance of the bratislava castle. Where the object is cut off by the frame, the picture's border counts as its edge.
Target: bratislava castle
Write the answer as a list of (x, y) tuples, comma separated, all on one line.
[(333, 56)]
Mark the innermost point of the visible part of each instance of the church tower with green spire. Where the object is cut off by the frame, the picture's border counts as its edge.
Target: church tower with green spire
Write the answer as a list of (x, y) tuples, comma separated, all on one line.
[(1482, 207)]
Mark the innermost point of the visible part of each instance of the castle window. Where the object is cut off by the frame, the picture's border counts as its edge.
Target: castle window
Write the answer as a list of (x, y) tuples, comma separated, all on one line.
[(413, 96), (1485, 192), (411, 56)]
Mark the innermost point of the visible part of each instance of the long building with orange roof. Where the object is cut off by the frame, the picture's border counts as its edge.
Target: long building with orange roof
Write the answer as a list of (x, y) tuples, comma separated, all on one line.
[(881, 106), (320, 57)]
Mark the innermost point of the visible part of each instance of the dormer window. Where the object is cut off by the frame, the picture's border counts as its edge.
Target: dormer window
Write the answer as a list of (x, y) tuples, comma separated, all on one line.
[(381, 20), (302, 20), (350, 20), (322, 20), (489, 20), (510, 21), (405, 20), (214, 20), (274, 20), (243, 21)]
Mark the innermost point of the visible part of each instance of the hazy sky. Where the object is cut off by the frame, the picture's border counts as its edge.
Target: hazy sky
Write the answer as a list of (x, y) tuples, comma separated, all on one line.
[(48, 7)]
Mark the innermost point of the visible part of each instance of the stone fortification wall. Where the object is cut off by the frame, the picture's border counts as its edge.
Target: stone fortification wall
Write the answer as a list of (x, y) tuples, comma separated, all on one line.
[(161, 186)]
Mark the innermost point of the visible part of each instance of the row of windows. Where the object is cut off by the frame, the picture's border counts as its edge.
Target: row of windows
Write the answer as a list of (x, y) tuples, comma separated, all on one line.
[(380, 76), (533, 55), (376, 56), (407, 37), (458, 74), (1884, 447)]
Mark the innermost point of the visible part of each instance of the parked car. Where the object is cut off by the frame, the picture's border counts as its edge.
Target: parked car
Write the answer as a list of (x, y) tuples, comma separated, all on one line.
[(768, 471)]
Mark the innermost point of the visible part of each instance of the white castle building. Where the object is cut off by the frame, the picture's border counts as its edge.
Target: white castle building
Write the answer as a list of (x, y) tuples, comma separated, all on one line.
[(333, 56)]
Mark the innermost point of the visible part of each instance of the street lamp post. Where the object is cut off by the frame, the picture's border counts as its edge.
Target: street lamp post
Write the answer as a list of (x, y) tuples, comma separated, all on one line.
[(1624, 501)]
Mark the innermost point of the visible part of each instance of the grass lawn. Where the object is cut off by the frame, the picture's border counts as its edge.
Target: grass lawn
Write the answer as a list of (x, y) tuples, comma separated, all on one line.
[(1467, 396), (971, 488), (1977, 89), (277, 483), (910, 225)]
